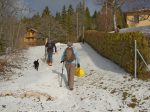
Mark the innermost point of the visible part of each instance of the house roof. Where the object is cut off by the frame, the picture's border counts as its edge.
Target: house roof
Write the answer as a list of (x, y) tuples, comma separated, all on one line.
[(139, 12), (31, 29), (143, 29), (39, 33)]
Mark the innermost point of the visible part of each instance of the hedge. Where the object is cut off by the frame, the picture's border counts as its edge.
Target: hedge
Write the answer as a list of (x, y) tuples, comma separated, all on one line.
[(119, 47)]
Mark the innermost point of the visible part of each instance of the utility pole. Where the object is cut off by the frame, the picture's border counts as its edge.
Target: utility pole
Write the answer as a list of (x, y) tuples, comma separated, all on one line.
[(49, 32), (114, 14), (77, 27), (49, 29), (83, 19), (106, 18), (0, 32)]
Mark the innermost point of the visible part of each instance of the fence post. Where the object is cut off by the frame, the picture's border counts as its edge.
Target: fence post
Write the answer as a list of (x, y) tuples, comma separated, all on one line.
[(135, 60), (143, 59)]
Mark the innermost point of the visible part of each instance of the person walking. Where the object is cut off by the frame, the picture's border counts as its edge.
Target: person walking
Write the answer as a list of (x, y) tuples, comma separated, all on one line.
[(71, 59), (50, 45)]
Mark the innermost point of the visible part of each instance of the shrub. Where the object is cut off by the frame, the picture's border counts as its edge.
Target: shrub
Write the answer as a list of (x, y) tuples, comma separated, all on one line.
[(119, 47)]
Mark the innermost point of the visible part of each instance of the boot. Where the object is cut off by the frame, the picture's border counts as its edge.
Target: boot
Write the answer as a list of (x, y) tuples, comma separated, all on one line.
[(71, 89), (50, 63)]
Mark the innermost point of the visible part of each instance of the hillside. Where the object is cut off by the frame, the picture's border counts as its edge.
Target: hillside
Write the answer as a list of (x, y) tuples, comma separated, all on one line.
[(105, 88)]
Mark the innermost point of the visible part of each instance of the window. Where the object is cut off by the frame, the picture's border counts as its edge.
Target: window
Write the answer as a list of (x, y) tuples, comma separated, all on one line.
[(136, 19)]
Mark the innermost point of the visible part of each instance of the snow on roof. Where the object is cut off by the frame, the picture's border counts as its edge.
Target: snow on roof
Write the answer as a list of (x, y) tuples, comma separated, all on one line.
[(139, 10), (143, 29)]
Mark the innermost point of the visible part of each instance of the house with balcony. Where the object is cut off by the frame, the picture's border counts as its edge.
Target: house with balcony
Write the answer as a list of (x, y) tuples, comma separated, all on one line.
[(33, 37), (30, 35), (136, 18)]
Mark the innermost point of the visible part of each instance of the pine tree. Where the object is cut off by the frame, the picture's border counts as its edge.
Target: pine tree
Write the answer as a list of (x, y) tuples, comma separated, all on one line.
[(64, 17), (81, 18), (88, 21), (70, 10), (120, 18), (94, 15), (94, 20), (58, 16), (69, 21), (46, 12)]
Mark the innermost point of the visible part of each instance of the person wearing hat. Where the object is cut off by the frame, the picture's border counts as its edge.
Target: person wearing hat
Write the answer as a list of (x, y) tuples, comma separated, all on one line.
[(71, 59)]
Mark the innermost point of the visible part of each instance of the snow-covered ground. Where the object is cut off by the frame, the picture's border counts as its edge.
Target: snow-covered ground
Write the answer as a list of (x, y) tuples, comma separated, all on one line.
[(105, 88)]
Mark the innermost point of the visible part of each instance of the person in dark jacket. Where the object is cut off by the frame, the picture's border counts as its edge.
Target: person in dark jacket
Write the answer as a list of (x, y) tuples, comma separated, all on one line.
[(50, 45)]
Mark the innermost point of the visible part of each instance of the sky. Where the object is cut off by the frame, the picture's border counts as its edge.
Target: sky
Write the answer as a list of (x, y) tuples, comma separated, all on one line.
[(36, 6), (56, 5), (136, 4), (105, 87)]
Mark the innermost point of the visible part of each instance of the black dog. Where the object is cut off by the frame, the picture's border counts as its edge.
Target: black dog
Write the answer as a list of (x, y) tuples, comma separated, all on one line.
[(36, 64)]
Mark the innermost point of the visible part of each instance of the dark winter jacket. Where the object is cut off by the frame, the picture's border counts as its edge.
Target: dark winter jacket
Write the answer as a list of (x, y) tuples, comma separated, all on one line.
[(51, 49)]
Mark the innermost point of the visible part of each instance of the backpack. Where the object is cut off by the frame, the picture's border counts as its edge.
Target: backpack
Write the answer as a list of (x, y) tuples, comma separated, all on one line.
[(50, 45), (69, 54)]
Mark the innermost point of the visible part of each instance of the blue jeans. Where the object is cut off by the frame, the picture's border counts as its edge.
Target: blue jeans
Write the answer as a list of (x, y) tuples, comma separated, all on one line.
[(50, 56)]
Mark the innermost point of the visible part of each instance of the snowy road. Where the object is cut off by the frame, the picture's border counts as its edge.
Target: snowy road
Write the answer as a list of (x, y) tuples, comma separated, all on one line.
[(105, 88)]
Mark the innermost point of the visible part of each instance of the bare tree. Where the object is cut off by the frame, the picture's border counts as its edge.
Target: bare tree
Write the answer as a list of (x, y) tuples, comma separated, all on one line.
[(116, 4), (9, 23)]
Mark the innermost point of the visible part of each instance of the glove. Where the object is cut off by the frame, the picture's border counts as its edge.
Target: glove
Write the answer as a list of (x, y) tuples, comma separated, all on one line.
[(78, 65), (61, 61), (55, 52)]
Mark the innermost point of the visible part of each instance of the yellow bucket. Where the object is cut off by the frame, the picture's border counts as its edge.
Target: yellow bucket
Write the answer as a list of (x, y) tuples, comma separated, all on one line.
[(79, 72)]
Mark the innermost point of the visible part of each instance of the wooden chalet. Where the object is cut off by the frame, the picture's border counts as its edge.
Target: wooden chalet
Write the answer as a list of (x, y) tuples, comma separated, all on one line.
[(33, 37), (30, 36)]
